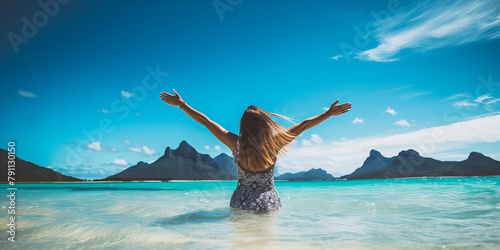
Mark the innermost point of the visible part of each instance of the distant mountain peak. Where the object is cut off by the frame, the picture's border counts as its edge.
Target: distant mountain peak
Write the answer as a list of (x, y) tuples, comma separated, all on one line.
[(476, 155), (374, 153), (187, 151), (168, 152), (408, 153), (223, 155), (184, 144)]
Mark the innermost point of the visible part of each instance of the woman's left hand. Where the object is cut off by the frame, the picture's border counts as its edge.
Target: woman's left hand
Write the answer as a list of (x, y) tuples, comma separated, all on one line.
[(174, 100)]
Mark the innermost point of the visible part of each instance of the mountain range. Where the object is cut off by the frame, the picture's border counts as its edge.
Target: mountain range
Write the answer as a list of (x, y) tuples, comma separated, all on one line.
[(409, 163), (185, 163)]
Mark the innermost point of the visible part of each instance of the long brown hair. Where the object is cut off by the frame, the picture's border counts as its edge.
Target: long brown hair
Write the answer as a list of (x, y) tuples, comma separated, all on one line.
[(261, 139)]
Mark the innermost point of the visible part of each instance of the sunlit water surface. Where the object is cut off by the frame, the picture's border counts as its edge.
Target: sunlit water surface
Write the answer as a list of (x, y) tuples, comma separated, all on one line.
[(362, 214)]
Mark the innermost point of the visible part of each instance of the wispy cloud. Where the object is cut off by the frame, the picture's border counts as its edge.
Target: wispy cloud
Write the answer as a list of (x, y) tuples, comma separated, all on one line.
[(415, 94), (435, 24), (350, 154), (397, 89), (403, 123), (26, 94), (453, 97), (337, 57), (493, 101), (482, 98), (357, 120), (390, 111), (126, 141), (126, 94), (464, 103)]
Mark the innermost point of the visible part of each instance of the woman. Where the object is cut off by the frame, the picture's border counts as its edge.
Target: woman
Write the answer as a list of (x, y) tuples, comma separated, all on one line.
[(256, 149)]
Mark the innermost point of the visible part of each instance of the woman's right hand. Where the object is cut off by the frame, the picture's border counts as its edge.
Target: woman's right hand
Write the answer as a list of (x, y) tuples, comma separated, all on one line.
[(340, 109), (174, 100)]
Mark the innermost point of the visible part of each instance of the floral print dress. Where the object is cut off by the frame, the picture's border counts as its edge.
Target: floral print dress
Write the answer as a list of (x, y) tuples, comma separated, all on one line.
[(255, 191)]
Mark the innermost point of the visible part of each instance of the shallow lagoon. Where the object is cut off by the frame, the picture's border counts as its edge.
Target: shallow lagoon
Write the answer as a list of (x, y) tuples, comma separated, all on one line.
[(455, 212)]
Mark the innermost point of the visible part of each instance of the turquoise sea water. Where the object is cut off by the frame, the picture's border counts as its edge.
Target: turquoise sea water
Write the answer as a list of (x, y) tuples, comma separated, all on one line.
[(362, 214)]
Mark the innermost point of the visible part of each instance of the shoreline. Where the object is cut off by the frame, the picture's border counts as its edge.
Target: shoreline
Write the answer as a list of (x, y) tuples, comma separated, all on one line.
[(154, 181)]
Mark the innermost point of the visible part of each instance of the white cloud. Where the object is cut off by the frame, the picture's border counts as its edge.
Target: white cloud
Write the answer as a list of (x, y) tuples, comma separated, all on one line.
[(403, 123), (390, 111), (126, 141), (105, 111), (126, 94), (95, 146), (316, 139), (429, 142), (145, 150), (118, 162), (138, 150), (216, 147), (337, 57), (148, 151), (26, 94), (464, 103), (453, 97), (493, 101), (482, 98), (114, 149), (435, 24), (358, 120)]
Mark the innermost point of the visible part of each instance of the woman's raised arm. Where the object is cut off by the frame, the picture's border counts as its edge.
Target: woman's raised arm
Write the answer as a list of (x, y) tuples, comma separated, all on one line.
[(229, 139), (313, 121)]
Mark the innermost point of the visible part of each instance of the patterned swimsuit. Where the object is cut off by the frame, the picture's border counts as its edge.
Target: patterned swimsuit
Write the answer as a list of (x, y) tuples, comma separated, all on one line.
[(255, 191)]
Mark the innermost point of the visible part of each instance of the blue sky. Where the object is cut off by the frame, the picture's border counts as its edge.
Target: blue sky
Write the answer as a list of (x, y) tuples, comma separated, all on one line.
[(80, 81)]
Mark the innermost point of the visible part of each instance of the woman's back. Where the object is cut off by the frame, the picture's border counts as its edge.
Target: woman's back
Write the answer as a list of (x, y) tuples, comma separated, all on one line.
[(255, 191)]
